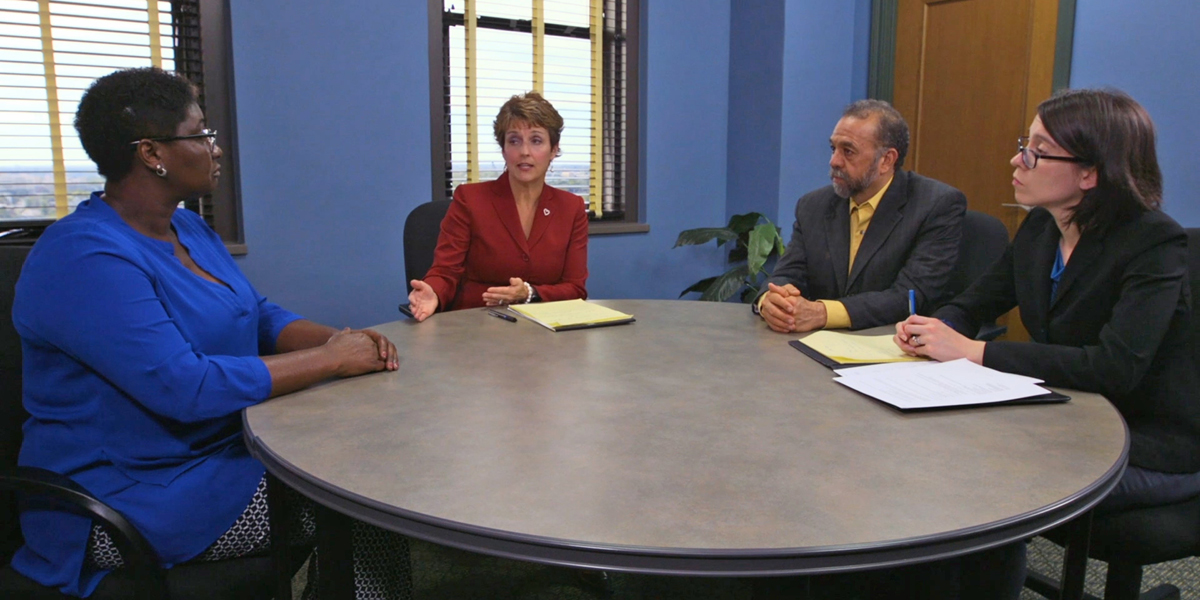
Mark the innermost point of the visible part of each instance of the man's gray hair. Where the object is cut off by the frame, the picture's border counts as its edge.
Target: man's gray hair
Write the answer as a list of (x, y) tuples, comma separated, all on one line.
[(892, 130)]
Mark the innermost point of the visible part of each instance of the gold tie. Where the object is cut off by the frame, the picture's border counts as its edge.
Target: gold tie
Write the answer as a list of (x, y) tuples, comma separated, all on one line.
[(860, 219)]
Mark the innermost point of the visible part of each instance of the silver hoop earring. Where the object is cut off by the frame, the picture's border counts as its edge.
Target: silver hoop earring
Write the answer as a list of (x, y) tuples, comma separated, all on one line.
[(161, 171)]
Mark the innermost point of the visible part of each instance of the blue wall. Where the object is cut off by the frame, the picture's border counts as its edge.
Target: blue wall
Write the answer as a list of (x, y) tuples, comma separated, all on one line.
[(737, 110), (333, 119), (334, 129), (793, 67), (686, 99), (755, 105), (1150, 50), (823, 70)]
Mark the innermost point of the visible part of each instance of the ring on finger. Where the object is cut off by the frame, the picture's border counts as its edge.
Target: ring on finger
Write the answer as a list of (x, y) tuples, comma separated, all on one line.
[(915, 340)]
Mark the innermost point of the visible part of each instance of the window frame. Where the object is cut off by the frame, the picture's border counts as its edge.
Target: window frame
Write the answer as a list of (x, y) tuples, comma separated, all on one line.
[(439, 88), (216, 44)]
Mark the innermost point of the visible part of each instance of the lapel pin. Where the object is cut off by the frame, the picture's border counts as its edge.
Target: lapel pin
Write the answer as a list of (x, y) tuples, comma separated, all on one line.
[(546, 211)]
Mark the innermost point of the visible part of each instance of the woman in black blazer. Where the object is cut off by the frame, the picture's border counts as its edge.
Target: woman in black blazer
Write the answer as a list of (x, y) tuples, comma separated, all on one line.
[(1100, 275)]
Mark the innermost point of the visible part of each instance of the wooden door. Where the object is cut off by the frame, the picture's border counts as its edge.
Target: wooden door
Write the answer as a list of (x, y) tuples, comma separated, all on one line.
[(968, 77)]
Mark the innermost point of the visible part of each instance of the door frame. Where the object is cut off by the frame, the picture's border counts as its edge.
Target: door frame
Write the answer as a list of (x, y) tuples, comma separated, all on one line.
[(882, 65)]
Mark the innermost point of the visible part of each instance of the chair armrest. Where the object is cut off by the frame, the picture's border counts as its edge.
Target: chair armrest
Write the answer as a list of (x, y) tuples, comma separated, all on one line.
[(41, 488)]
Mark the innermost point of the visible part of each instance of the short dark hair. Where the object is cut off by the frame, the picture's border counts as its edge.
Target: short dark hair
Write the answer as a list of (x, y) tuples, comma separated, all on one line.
[(126, 106), (891, 129), (1112, 133), (532, 109)]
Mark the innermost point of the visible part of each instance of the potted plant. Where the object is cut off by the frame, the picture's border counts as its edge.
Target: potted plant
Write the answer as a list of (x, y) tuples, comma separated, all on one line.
[(753, 244)]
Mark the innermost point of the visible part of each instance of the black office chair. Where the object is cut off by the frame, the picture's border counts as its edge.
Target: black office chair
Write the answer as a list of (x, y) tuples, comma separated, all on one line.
[(984, 239), (252, 577), (14, 246), (421, 230), (1129, 540)]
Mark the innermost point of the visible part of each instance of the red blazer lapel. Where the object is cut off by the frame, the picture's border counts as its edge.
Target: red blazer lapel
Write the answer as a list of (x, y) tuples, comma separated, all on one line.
[(506, 211), (543, 214)]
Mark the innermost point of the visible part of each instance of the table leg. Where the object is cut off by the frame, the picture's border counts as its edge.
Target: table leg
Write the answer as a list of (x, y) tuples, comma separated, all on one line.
[(335, 552), (278, 509), (1075, 560)]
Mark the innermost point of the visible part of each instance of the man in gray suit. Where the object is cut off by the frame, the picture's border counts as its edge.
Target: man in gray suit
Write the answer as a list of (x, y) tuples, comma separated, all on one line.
[(860, 244)]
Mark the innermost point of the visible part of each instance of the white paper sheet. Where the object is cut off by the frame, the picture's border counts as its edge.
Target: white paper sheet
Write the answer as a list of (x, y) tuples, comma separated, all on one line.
[(933, 385)]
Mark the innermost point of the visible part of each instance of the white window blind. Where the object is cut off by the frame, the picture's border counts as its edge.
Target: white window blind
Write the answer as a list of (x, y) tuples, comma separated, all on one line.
[(49, 53), (571, 51)]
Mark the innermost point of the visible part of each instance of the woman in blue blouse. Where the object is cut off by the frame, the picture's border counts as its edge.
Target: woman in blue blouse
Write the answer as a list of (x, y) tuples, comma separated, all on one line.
[(142, 343)]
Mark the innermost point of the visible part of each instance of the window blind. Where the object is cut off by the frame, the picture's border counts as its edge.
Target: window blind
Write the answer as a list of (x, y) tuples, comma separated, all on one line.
[(571, 51), (50, 51)]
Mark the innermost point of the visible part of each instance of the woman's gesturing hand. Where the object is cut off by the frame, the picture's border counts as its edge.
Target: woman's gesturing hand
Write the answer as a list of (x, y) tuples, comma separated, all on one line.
[(514, 293), (422, 300), (361, 351), (929, 337)]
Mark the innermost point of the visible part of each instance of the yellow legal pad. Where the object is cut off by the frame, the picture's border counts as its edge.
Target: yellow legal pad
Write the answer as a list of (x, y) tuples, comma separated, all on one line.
[(570, 314), (847, 349)]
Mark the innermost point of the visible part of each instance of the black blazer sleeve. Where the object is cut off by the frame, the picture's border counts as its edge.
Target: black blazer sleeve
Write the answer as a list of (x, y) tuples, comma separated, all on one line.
[(911, 244), (927, 254), (1149, 289), (1120, 325), (792, 266), (1112, 312)]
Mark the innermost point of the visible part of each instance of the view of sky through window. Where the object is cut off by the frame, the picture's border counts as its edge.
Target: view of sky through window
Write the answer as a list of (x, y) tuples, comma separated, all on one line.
[(82, 40)]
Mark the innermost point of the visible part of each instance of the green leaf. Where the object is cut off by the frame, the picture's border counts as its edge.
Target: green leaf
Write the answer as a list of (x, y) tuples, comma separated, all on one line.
[(762, 241), (703, 235), (779, 247), (726, 285), (743, 223), (700, 286)]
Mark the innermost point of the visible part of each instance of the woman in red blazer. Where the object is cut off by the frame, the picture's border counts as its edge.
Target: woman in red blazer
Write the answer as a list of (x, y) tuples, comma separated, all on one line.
[(515, 239)]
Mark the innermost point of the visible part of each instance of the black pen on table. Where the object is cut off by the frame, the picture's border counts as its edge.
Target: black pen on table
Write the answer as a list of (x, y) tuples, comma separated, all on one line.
[(500, 315)]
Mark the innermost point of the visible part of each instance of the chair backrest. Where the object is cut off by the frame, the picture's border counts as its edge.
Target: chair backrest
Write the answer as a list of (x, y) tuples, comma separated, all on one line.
[(984, 239), (1193, 234), (421, 230), (13, 250)]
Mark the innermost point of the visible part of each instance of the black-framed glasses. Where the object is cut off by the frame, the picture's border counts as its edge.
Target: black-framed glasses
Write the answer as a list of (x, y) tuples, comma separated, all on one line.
[(1030, 157), (210, 135)]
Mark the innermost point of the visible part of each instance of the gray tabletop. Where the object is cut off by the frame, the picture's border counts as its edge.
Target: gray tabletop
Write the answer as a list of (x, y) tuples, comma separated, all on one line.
[(694, 441)]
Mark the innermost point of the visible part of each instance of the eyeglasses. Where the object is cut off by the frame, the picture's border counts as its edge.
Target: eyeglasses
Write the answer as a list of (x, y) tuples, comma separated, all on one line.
[(210, 135), (1030, 158)]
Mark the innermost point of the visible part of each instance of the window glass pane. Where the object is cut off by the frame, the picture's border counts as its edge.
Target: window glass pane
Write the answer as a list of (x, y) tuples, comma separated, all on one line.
[(91, 38), (567, 12), (505, 65), (568, 87), (506, 9)]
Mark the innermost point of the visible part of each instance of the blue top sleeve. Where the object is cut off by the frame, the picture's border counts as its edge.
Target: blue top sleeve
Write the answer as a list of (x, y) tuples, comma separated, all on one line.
[(107, 312), (135, 370)]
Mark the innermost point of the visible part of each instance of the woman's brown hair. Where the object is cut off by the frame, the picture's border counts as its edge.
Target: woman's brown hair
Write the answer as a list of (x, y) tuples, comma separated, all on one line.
[(1113, 134), (532, 109)]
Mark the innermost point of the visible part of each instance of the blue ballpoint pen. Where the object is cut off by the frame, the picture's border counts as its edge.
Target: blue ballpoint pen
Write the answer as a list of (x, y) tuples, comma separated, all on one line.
[(500, 315), (912, 302)]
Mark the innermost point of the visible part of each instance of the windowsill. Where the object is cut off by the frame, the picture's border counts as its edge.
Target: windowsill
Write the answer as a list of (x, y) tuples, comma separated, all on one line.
[(610, 228), (236, 249)]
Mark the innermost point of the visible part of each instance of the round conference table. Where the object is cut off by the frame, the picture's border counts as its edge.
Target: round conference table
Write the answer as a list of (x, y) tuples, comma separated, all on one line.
[(694, 441)]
